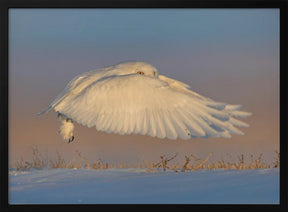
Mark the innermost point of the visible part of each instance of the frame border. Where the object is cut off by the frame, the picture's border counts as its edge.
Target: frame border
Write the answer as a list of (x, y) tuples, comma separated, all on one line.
[(205, 4)]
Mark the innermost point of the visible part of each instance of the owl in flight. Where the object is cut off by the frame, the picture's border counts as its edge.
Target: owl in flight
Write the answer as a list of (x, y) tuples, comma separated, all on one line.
[(132, 97)]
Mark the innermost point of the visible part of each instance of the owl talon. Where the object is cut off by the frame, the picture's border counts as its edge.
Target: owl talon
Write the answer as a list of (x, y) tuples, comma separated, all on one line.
[(71, 139)]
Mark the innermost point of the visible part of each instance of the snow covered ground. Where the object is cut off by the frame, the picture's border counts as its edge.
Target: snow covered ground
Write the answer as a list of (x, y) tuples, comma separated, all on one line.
[(132, 186)]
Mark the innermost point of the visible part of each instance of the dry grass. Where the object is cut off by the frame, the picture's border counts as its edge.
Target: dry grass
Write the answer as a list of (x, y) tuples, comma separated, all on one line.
[(191, 163)]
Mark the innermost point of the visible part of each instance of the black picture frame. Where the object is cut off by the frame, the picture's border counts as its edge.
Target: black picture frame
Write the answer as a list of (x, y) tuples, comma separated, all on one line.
[(7, 4)]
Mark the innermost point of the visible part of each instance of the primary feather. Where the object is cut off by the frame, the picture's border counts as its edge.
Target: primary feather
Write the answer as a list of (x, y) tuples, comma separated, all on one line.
[(133, 98)]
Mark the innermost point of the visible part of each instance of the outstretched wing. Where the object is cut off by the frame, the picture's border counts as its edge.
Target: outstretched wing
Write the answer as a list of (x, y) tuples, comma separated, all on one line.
[(143, 105), (233, 110), (76, 85)]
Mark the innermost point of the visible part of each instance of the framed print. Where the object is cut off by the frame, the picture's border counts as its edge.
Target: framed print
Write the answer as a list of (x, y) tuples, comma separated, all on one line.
[(145, 106)]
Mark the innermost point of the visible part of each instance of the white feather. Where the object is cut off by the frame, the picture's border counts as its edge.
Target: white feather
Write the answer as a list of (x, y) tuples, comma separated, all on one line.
[(66, 127), (119, 100)]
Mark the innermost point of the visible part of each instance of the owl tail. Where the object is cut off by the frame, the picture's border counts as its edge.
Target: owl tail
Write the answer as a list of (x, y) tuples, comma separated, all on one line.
[(66, 127)]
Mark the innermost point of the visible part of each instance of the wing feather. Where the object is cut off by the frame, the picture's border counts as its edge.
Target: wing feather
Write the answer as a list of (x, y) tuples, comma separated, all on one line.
[(179, 126), (204, 125), (131, 118), (169, 127), (125, 122), (152, 127), (145, 126), (160, 124), (161, 108)]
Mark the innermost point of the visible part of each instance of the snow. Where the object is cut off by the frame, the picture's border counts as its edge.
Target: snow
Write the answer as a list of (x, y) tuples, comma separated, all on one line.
[(137, 186)]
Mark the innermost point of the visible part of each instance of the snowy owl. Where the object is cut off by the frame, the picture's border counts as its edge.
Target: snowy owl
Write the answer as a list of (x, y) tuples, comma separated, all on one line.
[(132, 97)]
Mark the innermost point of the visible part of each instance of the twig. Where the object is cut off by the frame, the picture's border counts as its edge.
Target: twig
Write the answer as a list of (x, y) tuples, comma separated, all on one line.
[(204, 161)]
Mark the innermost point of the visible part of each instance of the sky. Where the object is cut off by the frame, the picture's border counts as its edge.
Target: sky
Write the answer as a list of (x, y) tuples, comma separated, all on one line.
[(229, 55)]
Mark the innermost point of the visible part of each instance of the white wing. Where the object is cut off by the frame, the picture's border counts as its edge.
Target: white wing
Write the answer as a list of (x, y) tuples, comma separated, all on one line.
[(233, 110), (76, 85), (158, 107)]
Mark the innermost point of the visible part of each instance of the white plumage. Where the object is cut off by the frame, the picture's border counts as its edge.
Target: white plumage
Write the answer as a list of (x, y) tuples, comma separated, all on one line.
[(133, 98)]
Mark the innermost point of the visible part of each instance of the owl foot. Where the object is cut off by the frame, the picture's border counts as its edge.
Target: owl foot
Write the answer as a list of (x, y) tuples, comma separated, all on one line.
[(71, 139)]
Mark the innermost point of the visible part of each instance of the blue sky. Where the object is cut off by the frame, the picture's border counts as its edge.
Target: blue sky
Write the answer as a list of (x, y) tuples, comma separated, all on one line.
[(109, 36), (115, 26)]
